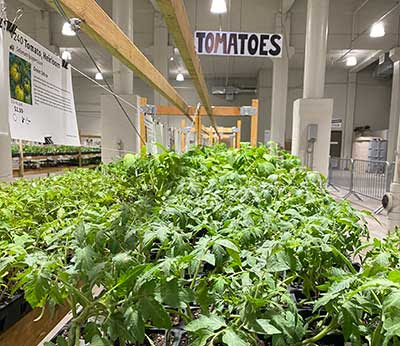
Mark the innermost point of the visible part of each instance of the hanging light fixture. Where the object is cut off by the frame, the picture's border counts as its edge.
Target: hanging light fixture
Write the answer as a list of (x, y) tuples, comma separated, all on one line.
[(67, 29), (66, 55), (351, 61), (218, 7), (180, 77), (377, 30), (99, 76)]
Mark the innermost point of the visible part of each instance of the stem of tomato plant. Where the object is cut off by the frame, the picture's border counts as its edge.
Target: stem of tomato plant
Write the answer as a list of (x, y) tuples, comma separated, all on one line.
[(332, 326), (195, 275)]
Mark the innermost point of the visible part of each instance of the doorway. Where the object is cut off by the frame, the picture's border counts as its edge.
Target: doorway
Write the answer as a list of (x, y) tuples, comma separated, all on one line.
[(336, 144)]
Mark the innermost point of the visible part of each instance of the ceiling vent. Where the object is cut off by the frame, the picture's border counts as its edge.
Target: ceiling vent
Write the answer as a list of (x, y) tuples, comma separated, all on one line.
[(230, 91)]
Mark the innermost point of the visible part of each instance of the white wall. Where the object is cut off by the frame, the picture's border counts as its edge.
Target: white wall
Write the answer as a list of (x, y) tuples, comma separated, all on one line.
[(372, 101)]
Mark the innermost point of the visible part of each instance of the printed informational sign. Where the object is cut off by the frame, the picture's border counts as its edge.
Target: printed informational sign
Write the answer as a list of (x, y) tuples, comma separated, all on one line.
[(41, 100), (337, 124), (238, 44)]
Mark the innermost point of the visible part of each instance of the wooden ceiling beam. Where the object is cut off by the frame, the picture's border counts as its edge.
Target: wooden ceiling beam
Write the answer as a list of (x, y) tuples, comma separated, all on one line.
[(177, 20), (99, 26)]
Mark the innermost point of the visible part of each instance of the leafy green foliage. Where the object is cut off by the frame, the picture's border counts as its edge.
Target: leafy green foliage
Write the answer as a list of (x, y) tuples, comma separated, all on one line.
[(217, 237)]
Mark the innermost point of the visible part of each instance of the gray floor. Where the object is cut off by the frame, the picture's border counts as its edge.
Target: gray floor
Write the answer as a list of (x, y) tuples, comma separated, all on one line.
[(377, 224)]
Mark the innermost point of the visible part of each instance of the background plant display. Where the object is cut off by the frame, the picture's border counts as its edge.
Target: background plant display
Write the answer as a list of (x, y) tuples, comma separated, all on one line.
[(232, 247), (20, 79), (47, 150)]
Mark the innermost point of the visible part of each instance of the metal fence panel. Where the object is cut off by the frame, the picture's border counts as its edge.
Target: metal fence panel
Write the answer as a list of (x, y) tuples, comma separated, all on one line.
[(360, 177), (370, 178), (340, 172)]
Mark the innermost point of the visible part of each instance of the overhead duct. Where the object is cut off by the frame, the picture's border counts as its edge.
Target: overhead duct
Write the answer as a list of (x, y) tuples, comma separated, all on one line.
[(384, 69), (230, 91)]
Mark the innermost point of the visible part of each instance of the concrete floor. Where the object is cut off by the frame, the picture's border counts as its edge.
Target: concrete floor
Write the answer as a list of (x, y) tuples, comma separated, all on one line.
[(377, 224)]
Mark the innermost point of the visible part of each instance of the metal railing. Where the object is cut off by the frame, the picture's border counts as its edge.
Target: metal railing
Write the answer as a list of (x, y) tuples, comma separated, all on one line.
[(361, 178)]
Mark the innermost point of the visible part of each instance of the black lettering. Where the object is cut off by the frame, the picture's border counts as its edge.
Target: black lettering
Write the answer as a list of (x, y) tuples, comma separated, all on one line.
[(200, 41), (263, 44), (233, 42), (253, 44), (209, 42), (275, 43), (220, 38), (243, 38)]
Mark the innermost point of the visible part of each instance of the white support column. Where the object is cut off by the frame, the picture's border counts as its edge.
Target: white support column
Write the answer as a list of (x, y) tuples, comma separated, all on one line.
[(313, 109), (393, 206), (123, 16), (350, 112), (316, 48), (395, 106), (5, 140), (264, 106), (279, 100), (280, 74), (161, 52)]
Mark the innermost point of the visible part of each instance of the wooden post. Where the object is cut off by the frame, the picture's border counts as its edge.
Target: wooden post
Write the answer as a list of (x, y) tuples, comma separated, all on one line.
[(254, 124), (183, 126), (80, 157), (198, 129), (238, 134), (21, 159), (143, 134), (211, 135)]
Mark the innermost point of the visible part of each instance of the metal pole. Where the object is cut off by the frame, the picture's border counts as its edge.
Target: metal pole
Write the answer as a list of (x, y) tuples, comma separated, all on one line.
[(3, 9)]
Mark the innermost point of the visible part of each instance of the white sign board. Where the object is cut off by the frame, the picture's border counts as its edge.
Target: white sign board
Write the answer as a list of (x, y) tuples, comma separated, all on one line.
[(337, 124), (41, 102), (238, 44)]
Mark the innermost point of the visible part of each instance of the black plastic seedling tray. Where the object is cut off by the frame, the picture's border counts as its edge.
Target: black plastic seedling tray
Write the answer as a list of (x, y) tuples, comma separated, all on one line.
[(13, 311)]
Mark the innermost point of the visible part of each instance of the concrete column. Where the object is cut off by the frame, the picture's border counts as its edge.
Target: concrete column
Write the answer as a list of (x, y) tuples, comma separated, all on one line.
[(43, 31), (350, 112), (395, 106), (161, 52), (264, 105), (123, 16), (279, 100), (5, 140), (316, 48), (313, 109)]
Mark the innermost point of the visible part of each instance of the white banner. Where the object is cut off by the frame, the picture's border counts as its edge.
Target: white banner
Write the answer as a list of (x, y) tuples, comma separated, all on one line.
[(238, 44), (41, 106)]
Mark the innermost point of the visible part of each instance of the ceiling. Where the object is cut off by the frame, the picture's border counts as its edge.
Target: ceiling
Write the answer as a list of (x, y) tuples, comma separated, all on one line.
[(243, 15)]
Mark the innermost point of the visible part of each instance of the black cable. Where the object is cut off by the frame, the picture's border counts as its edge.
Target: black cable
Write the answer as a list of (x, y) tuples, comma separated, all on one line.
[(62, 12)]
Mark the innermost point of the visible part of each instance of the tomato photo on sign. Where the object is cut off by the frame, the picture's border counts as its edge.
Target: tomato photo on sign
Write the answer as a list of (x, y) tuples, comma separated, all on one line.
[(20, 79)]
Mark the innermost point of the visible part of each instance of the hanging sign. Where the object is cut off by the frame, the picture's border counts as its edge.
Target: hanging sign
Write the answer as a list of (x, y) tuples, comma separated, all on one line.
[(337, 124), (41, 99), (238, 44)]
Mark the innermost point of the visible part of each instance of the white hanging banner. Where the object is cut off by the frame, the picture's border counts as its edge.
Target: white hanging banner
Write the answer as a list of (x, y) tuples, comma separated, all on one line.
[(41, 103), (238, 44)]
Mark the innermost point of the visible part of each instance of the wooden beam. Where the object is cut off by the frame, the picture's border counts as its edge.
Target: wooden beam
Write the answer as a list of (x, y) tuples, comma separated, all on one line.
[(183, 126), (177, 20), (224, 111), (142, 131), (100, 27), (238, 134), (254, 125)]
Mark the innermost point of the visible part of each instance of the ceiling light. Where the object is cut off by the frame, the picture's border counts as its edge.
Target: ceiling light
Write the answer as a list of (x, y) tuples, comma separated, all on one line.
[(66, 55), (377, 30), (67, 30), (351, 61), (99, 76), (180, 77), (171, 58), (218, 7)]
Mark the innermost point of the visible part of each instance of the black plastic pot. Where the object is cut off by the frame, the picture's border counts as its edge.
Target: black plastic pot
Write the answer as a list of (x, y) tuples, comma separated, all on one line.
[(332, 339), (13, 311)]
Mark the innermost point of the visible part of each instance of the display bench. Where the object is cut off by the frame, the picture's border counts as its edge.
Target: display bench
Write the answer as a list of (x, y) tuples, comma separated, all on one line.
[(32, 161), (30, 330)]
